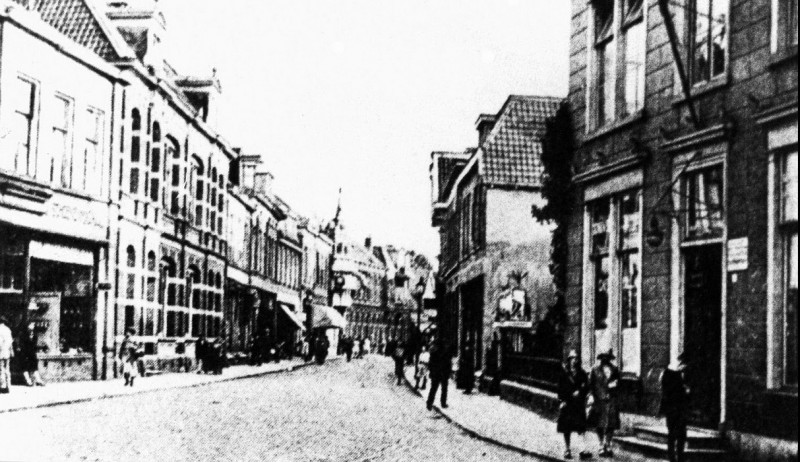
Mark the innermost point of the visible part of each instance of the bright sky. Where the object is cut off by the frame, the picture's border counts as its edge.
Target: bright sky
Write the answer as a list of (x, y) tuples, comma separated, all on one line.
[(357, 93)]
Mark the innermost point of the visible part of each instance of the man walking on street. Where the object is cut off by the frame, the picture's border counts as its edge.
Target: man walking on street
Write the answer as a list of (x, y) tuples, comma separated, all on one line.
[(399, 357), (439, 368), (675, 406), (6, 352)]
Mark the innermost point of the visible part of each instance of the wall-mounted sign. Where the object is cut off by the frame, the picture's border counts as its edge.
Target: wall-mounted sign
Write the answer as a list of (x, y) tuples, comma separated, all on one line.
[(737, 254)]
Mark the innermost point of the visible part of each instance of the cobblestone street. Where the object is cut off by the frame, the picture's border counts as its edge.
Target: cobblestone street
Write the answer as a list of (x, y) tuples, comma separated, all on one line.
[(337, 412)]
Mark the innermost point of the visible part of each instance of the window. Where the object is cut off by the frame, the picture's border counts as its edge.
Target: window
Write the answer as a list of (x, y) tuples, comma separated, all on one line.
[(634, 34), (600, 256), (130, 257), (615, 236), (155, 163), (604, 45), (56, 170), (86, 168), (703, 196), (708, 38), (136, 126), (788, 230), (784, 25), (20, 158)]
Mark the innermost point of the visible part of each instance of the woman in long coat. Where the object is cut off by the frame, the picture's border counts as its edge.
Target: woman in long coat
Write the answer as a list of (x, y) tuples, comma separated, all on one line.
[(603, 384), (573, 386), (29, 357)]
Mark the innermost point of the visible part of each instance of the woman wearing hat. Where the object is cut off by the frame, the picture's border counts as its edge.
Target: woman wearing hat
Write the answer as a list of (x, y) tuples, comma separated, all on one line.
[(573, 386), (603, 384)]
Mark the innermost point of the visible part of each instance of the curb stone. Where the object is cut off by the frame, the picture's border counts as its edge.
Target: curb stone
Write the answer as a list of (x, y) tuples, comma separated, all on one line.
[(479, 436), (290, 368)]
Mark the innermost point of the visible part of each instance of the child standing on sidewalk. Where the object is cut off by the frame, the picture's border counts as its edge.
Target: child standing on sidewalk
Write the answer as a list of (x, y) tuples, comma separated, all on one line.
[(422, 368), (129, 355)]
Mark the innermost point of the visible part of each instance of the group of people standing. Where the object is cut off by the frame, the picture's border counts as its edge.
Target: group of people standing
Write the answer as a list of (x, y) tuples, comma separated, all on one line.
[(25, 351), (591, 400), (211, 356), (355, 348)]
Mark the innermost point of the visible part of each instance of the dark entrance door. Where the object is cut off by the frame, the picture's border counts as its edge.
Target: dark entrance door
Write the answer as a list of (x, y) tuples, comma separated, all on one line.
[(702, 331), (472, 332)]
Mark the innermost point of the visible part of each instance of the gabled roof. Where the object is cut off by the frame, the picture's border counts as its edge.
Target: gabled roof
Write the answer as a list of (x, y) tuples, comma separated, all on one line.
[(448, 166), (511, 154), (78, 20)]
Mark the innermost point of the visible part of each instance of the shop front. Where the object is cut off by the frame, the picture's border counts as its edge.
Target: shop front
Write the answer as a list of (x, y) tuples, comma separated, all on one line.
[(49, 284)]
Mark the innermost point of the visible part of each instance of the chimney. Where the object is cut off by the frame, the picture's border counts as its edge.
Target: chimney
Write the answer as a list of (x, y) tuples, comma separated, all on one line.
[(368, 243), (484, 125), (248, 165), (263, 182)]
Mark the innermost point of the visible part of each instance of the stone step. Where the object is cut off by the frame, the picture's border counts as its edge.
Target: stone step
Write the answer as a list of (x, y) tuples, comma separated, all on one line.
[(695, 438), (658, 451)]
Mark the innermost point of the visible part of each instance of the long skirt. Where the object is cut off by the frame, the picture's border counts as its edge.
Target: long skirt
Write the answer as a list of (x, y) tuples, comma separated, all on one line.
[(572, 417), (607, 414)]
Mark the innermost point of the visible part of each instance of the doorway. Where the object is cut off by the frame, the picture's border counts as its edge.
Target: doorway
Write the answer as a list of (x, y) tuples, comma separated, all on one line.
[(702, 331), (472, 330)]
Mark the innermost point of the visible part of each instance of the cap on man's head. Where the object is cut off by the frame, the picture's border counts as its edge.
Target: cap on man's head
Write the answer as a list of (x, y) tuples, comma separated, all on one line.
[(572, 354)]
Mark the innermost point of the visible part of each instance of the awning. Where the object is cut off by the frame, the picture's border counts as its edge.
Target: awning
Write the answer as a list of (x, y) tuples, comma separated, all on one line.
[(292, 315), (325, 316), (61, 253)]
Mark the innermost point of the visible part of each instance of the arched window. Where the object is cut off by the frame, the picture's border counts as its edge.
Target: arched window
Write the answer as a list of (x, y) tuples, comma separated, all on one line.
[(173, 169), (131, 256), (151, 261), (198, 183), (136, 155)]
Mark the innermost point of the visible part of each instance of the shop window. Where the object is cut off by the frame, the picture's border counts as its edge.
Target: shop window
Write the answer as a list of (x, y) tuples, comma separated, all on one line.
[(12, 265), (615, 237), (708, 27), (703, 190)]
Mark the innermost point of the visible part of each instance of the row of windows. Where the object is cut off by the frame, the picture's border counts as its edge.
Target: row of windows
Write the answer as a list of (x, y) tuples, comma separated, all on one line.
[(51, 139), (151, 321), (619, 49), (190, 191)]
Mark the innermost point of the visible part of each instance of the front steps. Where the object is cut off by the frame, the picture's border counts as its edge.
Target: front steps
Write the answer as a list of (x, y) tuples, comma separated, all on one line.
[(651, 441)]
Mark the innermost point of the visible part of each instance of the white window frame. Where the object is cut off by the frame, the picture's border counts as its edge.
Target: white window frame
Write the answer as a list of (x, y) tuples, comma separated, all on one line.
[(60, 176), (631, 184), (689, 40), (778, 40), (782, 140)]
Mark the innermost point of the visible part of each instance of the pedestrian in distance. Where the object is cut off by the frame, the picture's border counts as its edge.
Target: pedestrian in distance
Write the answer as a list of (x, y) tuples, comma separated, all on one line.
[(573, 386), (390, 346), (28, 349), (367, 346), (422, 369), (201, 354), (604, 386), (347, 345), (399, 357), (6, 353), (675, 394), (357, 348), (440, 367), (129, 353), (321, 352)]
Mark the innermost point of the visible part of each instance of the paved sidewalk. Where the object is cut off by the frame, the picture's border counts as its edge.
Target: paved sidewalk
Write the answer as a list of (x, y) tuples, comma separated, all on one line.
[(505, 424), (22, 397)]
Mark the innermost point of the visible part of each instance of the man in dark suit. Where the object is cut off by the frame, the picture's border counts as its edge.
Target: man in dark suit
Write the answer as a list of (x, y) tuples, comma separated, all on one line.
[(440, 368), (675, 406)]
